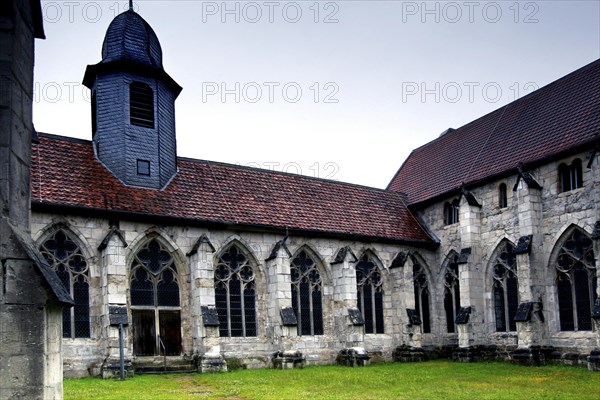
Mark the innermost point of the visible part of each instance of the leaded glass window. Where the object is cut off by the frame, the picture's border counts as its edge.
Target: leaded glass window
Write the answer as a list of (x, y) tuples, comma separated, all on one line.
[(421, 295), (66, 258), (307, 294), (235, 294), (154, 277), (576, 282), (505, 287), (370, 293), (451, 292)]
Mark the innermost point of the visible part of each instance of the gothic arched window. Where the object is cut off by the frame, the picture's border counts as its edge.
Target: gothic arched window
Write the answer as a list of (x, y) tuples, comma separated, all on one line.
[(306, 294), (235, 294), (155, 301), (505, 287), (451, 292), (66, 258), (370, 294), (141, 105), (421, 295), (576, 282)]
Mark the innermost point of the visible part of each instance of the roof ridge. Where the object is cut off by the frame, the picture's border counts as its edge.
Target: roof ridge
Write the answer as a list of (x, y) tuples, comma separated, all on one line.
[(232, 165), (536, 92)]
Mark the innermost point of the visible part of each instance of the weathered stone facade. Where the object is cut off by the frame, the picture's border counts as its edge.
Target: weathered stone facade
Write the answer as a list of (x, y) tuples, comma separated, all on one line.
[(31, 296), (464, 273), (195, 251), (545, 214)]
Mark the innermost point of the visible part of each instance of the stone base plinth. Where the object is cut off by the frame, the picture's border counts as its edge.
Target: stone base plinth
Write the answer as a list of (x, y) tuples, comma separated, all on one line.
[(594, 360), (533, 355), (111, 369), (212, 363), (353, 357), (409, 354), (288, 360)]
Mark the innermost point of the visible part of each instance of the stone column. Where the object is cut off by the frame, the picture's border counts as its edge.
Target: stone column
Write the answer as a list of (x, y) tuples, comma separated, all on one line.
[(114, 288), (409, 343), (280, 296), (531, 327), (350, 332), (206, 340), (471, 330)]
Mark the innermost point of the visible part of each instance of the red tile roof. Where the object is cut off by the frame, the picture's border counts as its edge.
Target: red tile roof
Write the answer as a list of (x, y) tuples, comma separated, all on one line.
[(66, 174), (562, 116)]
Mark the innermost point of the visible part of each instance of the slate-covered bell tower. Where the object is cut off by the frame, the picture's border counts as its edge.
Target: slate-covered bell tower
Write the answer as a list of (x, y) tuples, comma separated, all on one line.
[(133, 105)]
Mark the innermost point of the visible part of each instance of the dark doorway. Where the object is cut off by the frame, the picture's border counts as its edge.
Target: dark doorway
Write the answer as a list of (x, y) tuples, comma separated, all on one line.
[(144, 332), (145, 340), (170, 332)]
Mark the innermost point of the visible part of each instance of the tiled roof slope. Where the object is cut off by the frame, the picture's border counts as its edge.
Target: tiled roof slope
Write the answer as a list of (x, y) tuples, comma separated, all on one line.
[(562, 116), (65, 173)]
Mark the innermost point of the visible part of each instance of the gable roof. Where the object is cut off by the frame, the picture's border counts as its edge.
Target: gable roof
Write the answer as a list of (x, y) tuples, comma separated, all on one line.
[(561, 117), (67, 177)]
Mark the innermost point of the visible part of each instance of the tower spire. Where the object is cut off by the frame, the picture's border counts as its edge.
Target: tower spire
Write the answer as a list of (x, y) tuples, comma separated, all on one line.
[(130, 5)]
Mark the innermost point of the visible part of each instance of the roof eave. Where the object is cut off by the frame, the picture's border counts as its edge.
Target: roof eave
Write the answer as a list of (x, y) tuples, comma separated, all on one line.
[(42, 206)]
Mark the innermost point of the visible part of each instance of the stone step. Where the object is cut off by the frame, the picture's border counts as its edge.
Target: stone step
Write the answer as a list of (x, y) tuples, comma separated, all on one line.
[(156, 365)]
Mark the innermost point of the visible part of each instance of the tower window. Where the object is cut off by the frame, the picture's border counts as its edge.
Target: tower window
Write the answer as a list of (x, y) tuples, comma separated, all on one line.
[(570, 176), (143, 167), (502, 196), (141, 105)]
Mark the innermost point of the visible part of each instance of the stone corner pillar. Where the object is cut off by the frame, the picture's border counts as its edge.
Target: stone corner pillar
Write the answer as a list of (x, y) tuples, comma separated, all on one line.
[(348, 322), (279, 290)]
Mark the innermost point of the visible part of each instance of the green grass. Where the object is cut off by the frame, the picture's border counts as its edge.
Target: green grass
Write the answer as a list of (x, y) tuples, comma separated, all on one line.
[(427, 380)]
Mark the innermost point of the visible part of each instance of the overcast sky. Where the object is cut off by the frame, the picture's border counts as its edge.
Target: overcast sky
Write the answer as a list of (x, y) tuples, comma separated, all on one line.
[(334, 89)]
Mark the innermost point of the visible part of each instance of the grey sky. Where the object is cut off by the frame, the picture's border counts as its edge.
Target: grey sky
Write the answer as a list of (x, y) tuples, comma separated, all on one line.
[(340, 89)]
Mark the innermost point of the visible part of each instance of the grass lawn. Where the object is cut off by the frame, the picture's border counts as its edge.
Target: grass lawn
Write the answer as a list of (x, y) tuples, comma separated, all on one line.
[(426, 380)]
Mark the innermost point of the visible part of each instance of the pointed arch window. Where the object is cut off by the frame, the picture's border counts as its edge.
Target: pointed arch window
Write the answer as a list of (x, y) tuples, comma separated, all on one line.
[(235, 294), (451, 292), (576, 282), (370, 293), (307, 294), (141, 105), (155, 301), (421, 295), (66, 258), (505, 287), (154, 277)]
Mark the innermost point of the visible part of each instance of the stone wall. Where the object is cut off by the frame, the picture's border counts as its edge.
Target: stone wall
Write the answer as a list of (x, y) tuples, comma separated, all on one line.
[(195, 251), (544, 213), (30, 325)]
